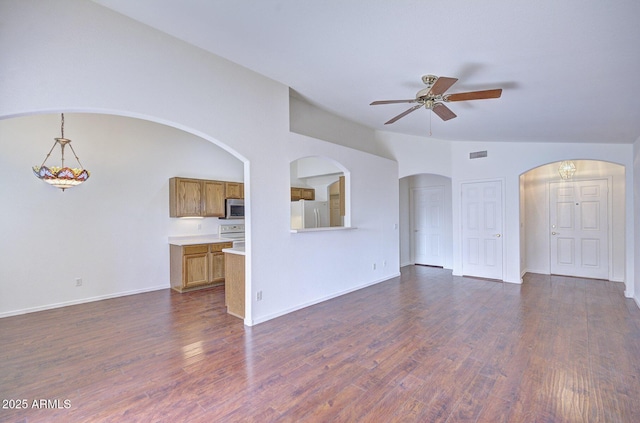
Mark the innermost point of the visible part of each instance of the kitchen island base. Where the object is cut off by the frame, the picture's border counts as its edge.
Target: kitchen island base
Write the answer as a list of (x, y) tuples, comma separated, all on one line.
[(234, 283)]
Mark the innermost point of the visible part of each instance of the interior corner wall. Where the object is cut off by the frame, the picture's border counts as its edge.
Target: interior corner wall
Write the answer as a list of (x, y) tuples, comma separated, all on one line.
[(406, 257), (307, 119), (634, 291)]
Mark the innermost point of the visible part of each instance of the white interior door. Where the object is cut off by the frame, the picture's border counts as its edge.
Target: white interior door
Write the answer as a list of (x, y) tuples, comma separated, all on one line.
[(428, 226), (578, 215), (482, 229)]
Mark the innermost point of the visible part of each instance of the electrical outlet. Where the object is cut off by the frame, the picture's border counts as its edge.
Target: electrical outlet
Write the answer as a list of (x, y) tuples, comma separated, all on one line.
[(259, 296), (78, 281)]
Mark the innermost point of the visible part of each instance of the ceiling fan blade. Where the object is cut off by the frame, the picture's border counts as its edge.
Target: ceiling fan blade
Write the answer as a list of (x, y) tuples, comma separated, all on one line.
[(413, 100), (403, 114), (475, 95), (443, 111), (441, 85)]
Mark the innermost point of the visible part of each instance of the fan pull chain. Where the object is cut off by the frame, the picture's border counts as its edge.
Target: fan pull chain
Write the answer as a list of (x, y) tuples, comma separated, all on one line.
[(430, 114)]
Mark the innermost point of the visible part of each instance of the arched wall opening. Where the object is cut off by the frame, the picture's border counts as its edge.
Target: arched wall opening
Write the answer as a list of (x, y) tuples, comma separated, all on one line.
[(320, 193), (538, 232), (426, 216), (112, 231)]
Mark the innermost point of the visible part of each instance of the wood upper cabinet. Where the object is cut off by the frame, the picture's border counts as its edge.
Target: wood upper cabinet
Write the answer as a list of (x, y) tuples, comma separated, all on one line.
[(197, 266), (234, 190), (185, 197), (298, 193), (213, 199), (190, 197)]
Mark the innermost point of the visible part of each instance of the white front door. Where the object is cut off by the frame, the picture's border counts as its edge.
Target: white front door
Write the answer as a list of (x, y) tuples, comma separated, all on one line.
[(578, 215), (428, 225), (482, 229)]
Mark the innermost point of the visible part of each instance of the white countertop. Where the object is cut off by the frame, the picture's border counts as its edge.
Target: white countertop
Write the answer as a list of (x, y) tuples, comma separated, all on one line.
[(235, 250), (198, 239)]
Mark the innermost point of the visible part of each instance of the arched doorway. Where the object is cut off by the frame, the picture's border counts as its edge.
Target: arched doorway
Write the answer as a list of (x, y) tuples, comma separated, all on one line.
[(574, 226), (110, 233), (426, 220)]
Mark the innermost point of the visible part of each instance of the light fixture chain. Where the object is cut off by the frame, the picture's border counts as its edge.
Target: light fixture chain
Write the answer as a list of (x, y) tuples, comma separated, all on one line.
[(62, 126)]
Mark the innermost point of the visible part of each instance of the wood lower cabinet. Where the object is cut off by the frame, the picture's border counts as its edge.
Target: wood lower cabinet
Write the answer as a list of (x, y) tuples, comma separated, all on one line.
[(216, 260), (197, 266)]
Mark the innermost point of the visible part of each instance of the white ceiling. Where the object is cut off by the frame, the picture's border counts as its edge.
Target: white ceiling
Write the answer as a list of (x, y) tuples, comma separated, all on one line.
[(569, 69)]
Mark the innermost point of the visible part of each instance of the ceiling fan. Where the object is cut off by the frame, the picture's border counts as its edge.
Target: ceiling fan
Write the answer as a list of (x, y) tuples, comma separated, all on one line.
[(434, 96)]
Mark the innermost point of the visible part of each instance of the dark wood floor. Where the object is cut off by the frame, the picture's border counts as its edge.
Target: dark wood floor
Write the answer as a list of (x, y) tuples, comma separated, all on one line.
[(424, 347)]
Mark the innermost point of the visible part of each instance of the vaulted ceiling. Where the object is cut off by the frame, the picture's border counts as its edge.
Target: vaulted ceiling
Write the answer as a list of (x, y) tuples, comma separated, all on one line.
[(569, 70)]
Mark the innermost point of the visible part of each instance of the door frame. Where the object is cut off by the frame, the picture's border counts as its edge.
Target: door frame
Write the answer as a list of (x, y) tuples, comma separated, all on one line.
[(504, 231), (412, 220)]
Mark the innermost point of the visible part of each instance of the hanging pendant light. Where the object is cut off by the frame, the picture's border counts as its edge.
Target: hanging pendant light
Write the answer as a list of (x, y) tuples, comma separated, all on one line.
[(567, 169), (60, 176)]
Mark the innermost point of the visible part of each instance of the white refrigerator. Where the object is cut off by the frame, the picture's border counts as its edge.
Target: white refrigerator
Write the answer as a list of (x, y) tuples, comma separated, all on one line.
[(309, 214)]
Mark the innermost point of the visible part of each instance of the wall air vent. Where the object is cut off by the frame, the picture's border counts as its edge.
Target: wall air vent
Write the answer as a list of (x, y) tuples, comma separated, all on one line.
[(478, 154)]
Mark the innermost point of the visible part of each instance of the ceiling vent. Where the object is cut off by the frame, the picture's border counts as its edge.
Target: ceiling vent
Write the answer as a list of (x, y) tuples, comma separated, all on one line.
[(478, 154)]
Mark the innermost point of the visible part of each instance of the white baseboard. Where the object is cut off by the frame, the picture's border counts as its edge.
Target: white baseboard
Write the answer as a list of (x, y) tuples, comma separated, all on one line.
[(537, 271), (80, 301), (267, 317)]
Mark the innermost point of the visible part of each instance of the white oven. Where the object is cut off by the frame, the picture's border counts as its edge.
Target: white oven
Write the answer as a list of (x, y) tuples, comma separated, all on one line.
[(234, 233)]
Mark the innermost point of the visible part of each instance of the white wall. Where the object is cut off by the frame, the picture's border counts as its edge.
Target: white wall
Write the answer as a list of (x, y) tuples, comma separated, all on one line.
[(83, 66), (307, 119), (536, 212), (506, 162), (110, 231)]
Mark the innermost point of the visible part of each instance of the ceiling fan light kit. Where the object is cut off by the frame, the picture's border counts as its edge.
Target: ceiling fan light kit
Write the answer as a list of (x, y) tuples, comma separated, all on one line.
[(433, 97)]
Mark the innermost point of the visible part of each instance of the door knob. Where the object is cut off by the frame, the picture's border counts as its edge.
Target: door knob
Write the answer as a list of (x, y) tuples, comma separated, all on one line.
[(555, 233), (498, 235)]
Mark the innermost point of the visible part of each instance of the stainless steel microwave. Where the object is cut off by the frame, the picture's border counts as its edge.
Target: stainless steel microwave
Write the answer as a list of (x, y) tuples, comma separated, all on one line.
[(234, 208)]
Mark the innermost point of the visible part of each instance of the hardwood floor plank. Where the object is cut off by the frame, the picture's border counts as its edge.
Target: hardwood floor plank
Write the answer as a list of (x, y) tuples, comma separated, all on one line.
[(426, 346)]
